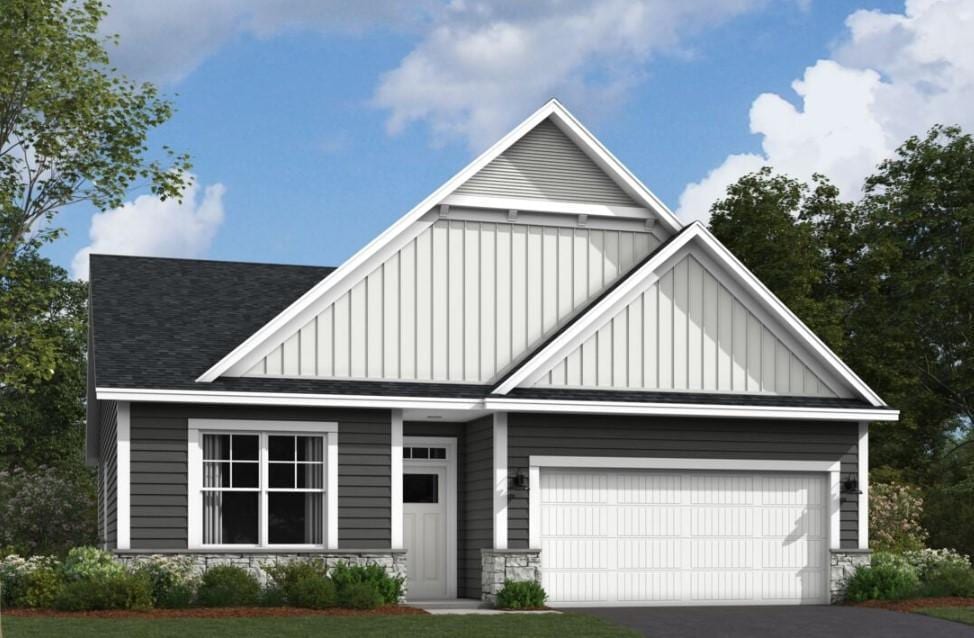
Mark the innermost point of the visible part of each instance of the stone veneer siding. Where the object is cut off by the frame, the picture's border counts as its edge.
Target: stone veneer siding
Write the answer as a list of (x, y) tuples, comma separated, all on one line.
[(393, 561), (500, 565), (843, 564)]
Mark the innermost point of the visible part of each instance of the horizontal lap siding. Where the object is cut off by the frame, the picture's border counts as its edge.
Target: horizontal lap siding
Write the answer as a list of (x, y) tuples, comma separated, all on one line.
[(575, 435), (108, 485), (159, 435)]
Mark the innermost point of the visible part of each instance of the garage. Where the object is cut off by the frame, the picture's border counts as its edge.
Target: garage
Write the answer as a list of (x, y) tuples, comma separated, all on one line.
[(673, 537)]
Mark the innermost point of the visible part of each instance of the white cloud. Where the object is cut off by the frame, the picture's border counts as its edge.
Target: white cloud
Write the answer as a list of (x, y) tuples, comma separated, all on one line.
[(152, 227), (484, 64), (165, 41), (893, 76)]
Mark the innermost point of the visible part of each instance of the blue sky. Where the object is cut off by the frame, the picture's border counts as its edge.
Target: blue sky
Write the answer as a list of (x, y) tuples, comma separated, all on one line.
[(294, 120)]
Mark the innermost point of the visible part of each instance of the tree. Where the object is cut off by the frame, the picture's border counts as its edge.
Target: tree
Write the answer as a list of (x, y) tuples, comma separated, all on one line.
[(71, 128), (782, 230)]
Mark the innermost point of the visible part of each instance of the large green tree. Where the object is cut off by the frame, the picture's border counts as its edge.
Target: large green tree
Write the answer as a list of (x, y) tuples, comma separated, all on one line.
[(71, 128)]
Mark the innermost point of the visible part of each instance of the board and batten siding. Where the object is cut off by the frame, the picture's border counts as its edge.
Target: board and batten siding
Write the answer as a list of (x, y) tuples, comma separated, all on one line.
[(460, 302), (545, 164), (159, 491), (620, 436), (686, 331), (107, 471)]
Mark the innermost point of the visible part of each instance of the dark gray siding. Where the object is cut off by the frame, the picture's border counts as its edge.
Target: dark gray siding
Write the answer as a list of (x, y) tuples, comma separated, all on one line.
[(577, 435), (159, 473), (477, 494), (107, 494)]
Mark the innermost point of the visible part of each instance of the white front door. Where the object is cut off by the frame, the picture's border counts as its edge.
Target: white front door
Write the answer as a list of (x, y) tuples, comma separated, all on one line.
[(429, 523)]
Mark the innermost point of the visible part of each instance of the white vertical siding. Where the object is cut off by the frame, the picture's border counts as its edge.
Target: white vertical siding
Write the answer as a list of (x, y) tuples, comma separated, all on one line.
[(545, 164), (460, 303), (686, 331)]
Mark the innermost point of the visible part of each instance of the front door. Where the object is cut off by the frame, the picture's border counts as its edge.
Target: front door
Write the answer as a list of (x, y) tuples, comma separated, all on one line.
[(428, 532)]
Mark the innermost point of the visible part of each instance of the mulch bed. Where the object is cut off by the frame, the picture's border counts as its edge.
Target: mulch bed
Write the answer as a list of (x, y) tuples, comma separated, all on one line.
[(220, 612), (913, 604)]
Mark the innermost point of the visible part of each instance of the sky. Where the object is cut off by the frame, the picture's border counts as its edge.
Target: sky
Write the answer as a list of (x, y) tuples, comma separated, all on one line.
[(314, 124)]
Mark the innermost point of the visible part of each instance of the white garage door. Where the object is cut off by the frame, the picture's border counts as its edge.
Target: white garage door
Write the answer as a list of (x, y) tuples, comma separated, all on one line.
[(636, 537)]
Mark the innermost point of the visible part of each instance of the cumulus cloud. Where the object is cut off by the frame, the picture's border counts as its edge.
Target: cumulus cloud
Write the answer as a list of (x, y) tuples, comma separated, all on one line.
[(152, 227), (892, 76), (165, 41), (482, 65)]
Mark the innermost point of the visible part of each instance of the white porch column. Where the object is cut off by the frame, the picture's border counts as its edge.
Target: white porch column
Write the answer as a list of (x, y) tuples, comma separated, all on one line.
[(500, 480), (863, 485), (123, 476), (396, 534)]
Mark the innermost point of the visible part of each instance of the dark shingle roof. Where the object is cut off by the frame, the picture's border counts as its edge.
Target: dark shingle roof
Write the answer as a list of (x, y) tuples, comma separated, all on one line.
[(702, 398)]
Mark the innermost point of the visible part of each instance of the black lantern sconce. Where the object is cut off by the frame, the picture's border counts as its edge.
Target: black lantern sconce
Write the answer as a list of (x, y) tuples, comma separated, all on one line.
[(520, 480), (850, 487)]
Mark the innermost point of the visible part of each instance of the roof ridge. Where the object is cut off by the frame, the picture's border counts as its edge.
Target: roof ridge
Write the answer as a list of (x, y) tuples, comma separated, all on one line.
[(208, 261)]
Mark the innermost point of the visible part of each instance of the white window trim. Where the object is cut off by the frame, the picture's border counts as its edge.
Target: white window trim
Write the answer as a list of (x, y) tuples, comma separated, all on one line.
[(830, 468), (123, 480), (194, 518), (450, 443)]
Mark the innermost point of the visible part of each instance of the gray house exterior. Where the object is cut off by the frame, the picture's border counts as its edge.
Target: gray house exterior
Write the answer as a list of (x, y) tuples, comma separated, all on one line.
[(537, 373)]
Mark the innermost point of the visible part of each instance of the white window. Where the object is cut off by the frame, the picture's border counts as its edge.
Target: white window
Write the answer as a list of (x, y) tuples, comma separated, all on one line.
[(262, 484)]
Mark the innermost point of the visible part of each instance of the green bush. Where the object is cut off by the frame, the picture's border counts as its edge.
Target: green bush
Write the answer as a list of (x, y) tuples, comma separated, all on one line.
[(948, 580), (272, 596), (33, 582), (360, 595), (173, 584), (521, 594), (302, 583), (120, 590), (85, 563), (389, 588), (926, 560), (884, 580), (313, 592), (228, 586)]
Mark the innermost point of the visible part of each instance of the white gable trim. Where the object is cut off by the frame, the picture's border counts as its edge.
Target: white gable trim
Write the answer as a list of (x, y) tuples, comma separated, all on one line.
[(291, 319), (576, 333)]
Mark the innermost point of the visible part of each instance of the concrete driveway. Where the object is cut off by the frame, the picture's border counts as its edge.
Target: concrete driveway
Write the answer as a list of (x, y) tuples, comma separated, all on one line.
[(787, 622)]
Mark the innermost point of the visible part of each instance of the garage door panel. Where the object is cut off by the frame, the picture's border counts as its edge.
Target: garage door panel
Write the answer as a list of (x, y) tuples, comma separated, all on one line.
[(644, 537)]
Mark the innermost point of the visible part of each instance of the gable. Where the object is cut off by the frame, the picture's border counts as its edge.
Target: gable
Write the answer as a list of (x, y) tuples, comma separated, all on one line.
[(460, 302), (545, 164), (689, 329)]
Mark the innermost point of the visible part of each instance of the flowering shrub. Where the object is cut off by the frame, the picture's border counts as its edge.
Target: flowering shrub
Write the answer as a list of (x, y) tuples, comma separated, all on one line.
[(925, 561), (30, 582), (87, 563), (894, 517), (885, 580), (46, 511), (172, 578)]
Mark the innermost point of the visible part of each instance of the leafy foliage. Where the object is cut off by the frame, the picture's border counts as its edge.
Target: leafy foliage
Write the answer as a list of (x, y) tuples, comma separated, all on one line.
[(172, 579), (87, 563), (894, 517), (71, 128), (32, 582), (315, 592), (521, 594), (359, 595), (48, 510), (106, 590), (228, 586), (948, 580), (388, 587), (882, 581)]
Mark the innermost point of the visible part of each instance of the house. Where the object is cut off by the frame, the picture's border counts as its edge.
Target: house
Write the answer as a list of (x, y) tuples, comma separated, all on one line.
[(538, 372)]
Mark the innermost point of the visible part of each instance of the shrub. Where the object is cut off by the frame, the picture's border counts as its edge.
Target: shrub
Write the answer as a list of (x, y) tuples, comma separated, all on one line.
[(360, 595), (948, 579), (314, 592), (119, 590), (521, 594), (173, 583), (31, 582), (86, 563), (883, 580), (272, 596), (895, 510), (228, 586), (388, 587), (926, 560), (47, 510)]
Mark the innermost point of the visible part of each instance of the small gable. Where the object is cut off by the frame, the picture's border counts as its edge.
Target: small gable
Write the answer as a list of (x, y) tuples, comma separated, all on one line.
[(546, 164), (690, 329)]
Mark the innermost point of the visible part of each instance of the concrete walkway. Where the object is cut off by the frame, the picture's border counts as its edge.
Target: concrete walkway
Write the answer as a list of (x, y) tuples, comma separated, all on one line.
[(811, 621), (466, 606)]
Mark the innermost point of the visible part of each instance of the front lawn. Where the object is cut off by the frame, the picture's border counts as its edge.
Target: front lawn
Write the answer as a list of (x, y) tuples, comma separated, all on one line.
[(521, 626), (957, 614)]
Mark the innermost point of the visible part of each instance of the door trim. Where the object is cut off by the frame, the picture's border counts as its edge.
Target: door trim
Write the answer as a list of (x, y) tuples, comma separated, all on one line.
[(450, 443)]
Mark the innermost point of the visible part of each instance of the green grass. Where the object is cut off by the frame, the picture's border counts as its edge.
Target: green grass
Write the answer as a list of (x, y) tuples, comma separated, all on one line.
[(957, 614), (521, 626)]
